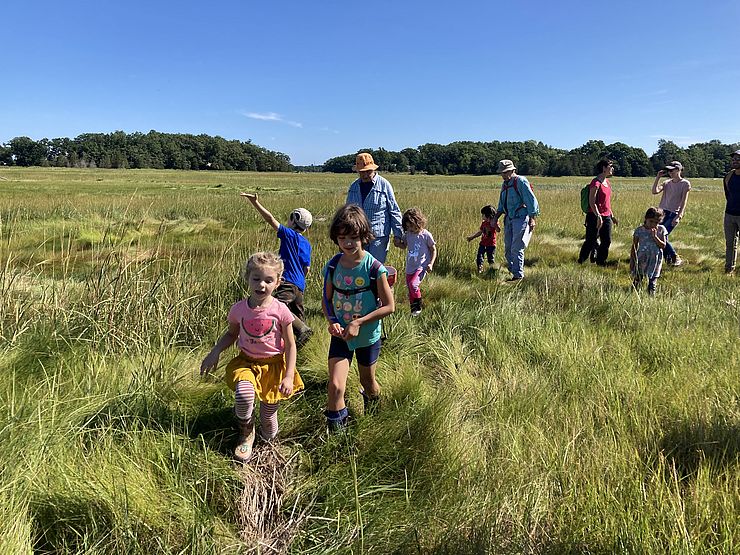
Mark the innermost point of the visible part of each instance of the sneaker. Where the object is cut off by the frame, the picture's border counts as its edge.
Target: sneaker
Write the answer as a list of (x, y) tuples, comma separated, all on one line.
[(480, 269), (416, 307), (302, 338), (677, 261)]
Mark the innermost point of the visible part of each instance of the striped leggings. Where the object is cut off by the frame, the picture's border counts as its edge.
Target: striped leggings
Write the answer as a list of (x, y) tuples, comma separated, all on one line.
[(245, 407)]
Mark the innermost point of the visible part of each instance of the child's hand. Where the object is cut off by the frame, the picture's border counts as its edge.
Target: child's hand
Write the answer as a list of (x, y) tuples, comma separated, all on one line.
[(286, 386), (336, 330), (469, 238), (352, 330), (430, 267), (209, 363), (496, 227), (251, 196)]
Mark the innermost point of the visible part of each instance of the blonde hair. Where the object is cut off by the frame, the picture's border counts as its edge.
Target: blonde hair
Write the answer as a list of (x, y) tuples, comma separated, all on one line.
[(264, 259)]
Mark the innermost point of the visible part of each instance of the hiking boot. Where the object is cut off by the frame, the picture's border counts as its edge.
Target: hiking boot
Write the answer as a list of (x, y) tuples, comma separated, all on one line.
[(676, 261), (302, 338), (480, 269), (243, 450), (513, 279)]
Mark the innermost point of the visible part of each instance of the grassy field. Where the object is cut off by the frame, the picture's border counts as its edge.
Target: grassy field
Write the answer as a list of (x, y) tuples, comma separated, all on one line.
[(566, 414)]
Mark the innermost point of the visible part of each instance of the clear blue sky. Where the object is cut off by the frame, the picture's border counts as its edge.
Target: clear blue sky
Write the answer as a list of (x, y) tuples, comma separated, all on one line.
[(324, 78)]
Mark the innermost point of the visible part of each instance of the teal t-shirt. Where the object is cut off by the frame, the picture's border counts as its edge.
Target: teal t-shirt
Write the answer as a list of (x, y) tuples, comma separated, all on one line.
[(348, 307)]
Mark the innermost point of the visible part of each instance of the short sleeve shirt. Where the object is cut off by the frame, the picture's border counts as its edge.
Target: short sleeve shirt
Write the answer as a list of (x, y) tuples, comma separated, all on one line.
[(260, 329), (418, 250), (295, 250), (673, 194), (488, 234), (603, 196), (350, 306)]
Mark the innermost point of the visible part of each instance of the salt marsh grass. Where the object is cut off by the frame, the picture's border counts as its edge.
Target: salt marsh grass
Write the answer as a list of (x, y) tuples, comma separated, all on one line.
[(566, 414)]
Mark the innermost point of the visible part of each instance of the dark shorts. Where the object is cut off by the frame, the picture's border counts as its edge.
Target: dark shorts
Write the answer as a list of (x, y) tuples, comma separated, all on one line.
[(366, 356)]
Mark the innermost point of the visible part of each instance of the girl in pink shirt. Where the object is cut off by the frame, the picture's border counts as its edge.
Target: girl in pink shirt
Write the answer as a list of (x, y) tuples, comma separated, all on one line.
[(266, 363)]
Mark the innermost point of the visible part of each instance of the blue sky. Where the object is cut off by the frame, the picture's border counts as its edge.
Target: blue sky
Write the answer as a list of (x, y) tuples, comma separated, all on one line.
[(320, 79)]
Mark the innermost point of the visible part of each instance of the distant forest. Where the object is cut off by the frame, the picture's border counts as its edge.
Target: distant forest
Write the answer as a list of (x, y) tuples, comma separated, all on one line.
[(710, 159), (172, 151), (203, 152)]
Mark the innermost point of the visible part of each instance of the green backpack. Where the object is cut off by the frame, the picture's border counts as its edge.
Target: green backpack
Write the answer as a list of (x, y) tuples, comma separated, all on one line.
[(584, 198)]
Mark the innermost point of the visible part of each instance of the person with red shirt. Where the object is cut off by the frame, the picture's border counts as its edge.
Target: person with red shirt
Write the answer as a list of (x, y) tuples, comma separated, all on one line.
[(600, 216), (488, 232)]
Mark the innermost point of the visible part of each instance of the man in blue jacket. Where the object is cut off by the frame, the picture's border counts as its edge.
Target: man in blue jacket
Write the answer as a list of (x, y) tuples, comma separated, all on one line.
[(518, 203), (375, 195)]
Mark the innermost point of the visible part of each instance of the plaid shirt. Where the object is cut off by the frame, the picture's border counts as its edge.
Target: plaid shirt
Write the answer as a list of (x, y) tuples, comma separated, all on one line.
[(380, 207)]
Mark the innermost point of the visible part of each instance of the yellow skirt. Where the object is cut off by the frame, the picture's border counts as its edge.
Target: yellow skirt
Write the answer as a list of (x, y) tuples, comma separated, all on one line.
[(265, 375)]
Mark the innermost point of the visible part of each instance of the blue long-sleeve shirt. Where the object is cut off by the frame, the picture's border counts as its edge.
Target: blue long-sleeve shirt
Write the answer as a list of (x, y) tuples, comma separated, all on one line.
[(517, 201), (380, 207)]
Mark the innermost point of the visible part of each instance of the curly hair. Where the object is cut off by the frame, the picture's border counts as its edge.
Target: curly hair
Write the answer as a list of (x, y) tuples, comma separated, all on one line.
[(413, 219), (350, 219), (264, 259)]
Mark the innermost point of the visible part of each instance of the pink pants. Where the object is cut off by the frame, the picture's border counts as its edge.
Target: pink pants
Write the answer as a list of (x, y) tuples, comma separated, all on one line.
[(413, 281)]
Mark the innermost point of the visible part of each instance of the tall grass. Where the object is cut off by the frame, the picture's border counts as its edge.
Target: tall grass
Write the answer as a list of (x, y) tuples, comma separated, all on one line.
[(567, 414)]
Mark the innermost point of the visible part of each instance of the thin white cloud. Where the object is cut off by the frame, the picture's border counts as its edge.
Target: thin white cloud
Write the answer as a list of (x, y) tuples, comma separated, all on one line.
[(272, 116), (328, 130)]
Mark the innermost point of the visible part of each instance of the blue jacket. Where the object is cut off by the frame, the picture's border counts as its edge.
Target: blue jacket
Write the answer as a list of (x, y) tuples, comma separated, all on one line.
[(517, 199)]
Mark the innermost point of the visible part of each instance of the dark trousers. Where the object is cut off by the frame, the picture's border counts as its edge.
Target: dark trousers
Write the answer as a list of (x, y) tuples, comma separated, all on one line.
[(597, 239), (488, 251), (293, 297)]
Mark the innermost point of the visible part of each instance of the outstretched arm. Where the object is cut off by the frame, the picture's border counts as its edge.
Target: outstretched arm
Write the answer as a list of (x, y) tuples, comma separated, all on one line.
[(474, 235), (264, 212)]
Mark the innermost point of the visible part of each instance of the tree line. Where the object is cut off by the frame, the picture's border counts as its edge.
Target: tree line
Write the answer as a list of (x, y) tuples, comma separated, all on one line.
[(138, 150), (203, 152), (710, 159)]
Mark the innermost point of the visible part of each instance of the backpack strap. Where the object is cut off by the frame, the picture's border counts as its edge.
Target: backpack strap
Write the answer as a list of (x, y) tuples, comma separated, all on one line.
[(516, 189), (726, 182), (329, 280)]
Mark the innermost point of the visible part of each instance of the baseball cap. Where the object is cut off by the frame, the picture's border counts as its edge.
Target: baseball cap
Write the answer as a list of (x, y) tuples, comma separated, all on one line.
[(302, 218)]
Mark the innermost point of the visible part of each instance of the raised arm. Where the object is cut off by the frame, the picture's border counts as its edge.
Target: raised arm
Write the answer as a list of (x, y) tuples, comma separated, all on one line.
[(657, 185), (264, 212)]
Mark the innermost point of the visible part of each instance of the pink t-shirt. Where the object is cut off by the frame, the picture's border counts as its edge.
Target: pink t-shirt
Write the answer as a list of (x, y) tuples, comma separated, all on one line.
[(673, 194), (603, 196), (260, 329)]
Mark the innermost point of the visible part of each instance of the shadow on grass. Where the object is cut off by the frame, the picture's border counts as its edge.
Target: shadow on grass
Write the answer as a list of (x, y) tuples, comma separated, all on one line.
[(688, 445)]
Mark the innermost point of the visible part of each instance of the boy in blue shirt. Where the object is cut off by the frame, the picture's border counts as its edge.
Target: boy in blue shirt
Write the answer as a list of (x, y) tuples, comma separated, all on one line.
[(295, 250)]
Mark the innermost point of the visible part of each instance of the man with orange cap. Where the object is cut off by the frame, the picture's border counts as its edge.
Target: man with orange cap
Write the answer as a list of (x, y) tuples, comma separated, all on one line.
[(375, 195)]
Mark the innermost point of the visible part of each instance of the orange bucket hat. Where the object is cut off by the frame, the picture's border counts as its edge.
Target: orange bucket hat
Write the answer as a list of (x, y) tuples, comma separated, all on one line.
[(364, 162)]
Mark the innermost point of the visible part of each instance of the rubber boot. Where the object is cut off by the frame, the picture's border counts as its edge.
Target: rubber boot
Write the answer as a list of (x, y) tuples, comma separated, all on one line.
[(243, 450)]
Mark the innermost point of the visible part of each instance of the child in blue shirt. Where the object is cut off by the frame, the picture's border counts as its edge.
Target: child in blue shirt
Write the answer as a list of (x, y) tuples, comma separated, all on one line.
[(295, 251), (353, 311)]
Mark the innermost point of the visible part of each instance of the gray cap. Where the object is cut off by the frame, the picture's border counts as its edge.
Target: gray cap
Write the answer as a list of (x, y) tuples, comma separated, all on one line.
[(736, 153), (505, 166), (674, 166), (302, 218)]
